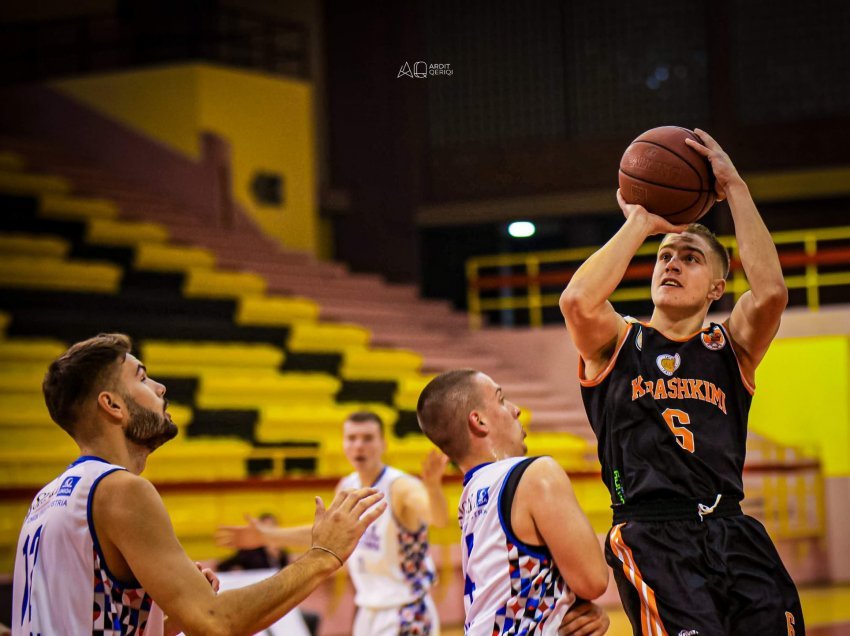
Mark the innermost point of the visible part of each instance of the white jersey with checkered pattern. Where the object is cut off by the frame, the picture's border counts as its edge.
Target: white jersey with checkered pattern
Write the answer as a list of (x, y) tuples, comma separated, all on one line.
[(61, 584), (509, 587), (391, 566)]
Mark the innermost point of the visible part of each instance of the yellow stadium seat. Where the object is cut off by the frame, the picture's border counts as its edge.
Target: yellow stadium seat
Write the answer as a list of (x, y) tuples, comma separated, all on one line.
[(35, 439), (199, 460), (409, 452), (171, 258), (322, 423), (21, 379), (124, 233), (237, 391), (326, 337), (31, 350), (20, 183), (33, 245), (12, 515), (408, 390), (193, 358), (58, 206), (571, 451), (34, 467), (24, 410), (379, 364), (208, 283), (273, 311), (52, 273), (11, 161)]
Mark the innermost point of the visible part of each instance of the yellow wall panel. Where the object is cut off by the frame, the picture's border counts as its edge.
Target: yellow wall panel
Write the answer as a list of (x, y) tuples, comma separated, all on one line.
[(269, 124), (161, 103), (267, 120), (803, 398)]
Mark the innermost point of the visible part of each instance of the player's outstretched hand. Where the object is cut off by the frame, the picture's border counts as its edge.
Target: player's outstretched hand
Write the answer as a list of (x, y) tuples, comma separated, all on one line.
[(433, 468), (722, 166), (209, 575), (245, 537), (339, 528), (584, 619), (657, 224)]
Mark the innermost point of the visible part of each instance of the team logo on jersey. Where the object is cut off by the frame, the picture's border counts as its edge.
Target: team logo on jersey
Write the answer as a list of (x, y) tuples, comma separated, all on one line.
[(482, 497), (689, 632), (639, 340), (67, 487), (714, 339), (667, 363)]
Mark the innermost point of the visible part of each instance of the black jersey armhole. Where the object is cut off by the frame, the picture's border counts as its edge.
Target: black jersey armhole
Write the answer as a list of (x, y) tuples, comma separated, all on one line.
[(506, 500)]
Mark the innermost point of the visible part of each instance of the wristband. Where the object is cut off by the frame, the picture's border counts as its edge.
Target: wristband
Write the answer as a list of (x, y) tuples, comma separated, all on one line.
[(329, 551)]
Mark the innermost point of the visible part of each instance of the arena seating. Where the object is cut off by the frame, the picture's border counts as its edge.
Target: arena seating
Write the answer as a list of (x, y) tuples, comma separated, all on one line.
[(232, 344)]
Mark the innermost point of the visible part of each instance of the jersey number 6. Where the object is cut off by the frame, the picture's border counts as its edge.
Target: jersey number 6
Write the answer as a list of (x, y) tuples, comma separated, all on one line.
[(676, 421)]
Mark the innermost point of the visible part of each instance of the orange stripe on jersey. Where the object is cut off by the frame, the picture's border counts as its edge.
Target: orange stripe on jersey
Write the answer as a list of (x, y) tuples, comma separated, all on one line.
[(604, 373), (650, 621)]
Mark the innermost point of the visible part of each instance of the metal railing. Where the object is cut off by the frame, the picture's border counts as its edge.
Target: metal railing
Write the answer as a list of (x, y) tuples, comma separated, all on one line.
[(811, 260)]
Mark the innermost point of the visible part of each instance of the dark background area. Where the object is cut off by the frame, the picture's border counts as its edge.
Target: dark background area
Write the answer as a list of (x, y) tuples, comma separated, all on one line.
[(543, 98)]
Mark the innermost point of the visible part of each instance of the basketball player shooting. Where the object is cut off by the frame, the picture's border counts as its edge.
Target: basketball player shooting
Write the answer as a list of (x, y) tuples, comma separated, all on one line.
[(668, 401)]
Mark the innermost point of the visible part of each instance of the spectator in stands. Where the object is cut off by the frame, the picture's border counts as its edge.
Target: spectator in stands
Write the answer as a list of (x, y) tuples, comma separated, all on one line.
[(391, 567), (98, 536), (669, 402), (530, 556)]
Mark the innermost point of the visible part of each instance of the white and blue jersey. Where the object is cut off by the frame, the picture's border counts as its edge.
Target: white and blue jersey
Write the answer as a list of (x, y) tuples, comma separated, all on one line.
[(62, 584), (391, 566), (510, 587)]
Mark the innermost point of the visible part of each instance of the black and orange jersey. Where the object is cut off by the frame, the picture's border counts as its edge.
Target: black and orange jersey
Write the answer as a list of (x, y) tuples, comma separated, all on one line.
[(670, 416)]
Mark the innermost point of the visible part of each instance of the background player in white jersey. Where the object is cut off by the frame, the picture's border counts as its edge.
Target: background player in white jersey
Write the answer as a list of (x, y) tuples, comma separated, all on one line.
[(391, 567), (97, 552), (528, 549)]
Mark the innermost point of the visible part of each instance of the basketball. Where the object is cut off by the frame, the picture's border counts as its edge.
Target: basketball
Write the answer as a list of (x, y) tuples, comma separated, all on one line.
[(666, 176)]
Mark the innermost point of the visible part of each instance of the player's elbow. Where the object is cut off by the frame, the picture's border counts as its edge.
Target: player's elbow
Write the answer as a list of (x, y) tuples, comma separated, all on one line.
[(779, 294), (592, 584), (773, 297), (573, 303)]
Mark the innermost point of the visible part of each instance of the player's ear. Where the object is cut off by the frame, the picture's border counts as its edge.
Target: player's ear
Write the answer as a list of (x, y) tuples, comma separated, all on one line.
[(476, 425), (112, 404), (718, 288)]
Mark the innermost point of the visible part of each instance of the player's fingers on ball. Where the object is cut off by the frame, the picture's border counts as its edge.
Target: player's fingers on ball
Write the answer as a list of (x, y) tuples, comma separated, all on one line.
[(707, 139), (621, 201), (700, 148)]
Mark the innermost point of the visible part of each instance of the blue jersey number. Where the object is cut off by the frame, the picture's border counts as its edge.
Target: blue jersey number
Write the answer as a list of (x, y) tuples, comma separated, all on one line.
[(30, 551), (468, 585)]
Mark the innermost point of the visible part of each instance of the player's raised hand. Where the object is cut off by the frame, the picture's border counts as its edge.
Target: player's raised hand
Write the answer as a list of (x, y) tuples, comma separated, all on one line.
[(245, 537), (657, 224), (722, 166), (584, 619), (338, 529), (434, 467)]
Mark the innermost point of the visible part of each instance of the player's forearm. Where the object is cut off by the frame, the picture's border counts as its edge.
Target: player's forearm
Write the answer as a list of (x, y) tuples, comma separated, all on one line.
[(599, 275), (294, 537), (758, 253), (252, 609), (438, 507)]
